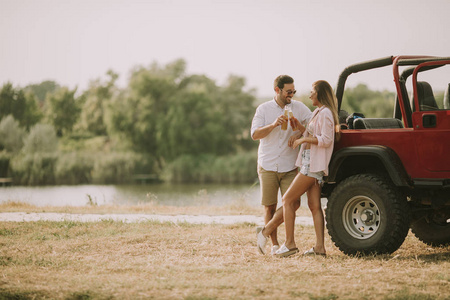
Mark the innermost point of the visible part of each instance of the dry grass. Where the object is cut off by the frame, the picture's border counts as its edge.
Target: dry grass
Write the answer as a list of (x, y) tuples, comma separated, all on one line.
[(236, 208), (115, 260)]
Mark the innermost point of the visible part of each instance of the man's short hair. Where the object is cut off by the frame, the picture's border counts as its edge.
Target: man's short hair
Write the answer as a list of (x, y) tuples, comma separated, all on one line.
[(281, 80)]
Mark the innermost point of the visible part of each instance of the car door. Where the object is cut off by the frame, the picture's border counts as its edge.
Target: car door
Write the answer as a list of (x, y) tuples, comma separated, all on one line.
[(431, 122)]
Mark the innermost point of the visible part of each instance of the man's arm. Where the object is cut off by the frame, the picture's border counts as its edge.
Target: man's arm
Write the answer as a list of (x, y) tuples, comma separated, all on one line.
[(264, 131)]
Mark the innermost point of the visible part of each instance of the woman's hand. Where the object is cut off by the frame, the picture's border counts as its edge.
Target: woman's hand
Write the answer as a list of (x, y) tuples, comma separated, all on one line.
[(297, 142), (291, 141), (295, 123)]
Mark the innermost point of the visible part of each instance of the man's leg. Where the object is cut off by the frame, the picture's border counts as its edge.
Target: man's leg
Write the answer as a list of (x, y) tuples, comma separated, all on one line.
[(268, 216), (269, 193), (277, 219)]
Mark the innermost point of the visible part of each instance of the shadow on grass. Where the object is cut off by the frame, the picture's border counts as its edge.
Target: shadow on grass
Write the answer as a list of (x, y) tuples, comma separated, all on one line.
[(27, 295), (435, 257), (21, 295), (431, 258)]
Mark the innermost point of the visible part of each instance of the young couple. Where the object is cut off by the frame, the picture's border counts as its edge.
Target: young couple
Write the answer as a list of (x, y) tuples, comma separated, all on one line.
[(279, 157)]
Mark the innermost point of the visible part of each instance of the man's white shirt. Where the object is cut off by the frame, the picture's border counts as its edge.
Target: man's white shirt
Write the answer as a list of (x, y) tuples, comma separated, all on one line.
[(274, 154)]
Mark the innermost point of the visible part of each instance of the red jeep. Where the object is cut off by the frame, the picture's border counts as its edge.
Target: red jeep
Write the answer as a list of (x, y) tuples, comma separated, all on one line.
[(390, 174)]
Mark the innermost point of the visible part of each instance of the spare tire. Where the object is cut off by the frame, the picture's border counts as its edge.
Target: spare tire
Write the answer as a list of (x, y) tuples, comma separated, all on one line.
[(434, 228)]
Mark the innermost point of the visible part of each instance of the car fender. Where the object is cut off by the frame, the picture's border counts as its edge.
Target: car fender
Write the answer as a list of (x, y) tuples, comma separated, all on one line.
[(390, 160)]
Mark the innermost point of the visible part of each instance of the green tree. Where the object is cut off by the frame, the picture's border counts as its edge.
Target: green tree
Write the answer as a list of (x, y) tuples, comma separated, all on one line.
[(225, 111), (95, 100), (373, 104), (32, 113), (23, 107), (62, 110), (193, 127), (137, 113), (237, 106), (41, 90), (8, 97), (167, 113)]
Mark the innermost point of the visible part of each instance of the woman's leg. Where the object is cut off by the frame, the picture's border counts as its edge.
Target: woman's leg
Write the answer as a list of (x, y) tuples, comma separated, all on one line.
[(276, 221), (291, 200), (318, 217)]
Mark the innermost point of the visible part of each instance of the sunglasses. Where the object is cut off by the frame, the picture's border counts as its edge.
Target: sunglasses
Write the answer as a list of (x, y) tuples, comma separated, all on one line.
[(289, 92)]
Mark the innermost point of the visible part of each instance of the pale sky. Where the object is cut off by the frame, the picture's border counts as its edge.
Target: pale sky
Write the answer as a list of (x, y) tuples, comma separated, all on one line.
[(75, 41)]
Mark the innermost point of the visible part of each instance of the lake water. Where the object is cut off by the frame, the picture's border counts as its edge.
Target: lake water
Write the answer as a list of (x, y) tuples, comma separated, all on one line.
[(164, 194)]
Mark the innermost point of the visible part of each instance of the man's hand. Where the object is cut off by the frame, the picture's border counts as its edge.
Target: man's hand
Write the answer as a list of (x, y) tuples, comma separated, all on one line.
[(279, 121), (264, 131)]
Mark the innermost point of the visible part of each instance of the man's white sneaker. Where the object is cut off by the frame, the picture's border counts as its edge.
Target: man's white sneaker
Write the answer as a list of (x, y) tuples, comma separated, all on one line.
[(274, 249), (261, 240)]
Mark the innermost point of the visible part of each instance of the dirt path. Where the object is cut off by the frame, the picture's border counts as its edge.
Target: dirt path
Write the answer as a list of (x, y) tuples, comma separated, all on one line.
[(129, 218)]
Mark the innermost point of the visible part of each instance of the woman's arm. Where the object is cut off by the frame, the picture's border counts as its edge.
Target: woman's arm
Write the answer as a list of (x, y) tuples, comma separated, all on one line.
[(325, 130), (309, 139)]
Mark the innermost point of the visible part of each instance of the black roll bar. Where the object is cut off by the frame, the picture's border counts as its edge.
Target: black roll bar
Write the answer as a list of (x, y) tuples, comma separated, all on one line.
[(368, 65)]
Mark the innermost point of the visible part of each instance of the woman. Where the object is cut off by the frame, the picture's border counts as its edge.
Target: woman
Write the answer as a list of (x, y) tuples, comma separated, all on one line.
[(315, 154), (316, 143)]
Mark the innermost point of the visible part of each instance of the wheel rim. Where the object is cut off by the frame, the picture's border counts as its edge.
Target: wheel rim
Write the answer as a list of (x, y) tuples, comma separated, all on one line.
[(361, 217)]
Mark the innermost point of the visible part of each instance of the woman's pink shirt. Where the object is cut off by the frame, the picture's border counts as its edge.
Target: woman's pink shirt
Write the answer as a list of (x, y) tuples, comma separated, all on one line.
[(324, 129)]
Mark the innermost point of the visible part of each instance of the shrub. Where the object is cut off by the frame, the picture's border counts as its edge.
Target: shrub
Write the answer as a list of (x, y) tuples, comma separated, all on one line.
[(237, 168), (42, 138), (74, 168), (78, 168), (34, 168), (11, 135), (119, 167), (4, 164)]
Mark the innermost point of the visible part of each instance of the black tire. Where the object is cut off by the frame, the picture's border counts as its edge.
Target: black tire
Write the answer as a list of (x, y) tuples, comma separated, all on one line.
[(367, 215), (433, 229)]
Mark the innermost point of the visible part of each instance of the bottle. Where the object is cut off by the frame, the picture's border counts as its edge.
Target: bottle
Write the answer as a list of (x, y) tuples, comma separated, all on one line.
[(291, 115), (286, 115)]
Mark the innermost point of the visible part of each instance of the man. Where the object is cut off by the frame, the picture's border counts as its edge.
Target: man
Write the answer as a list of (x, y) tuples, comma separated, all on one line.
[(276, 160)]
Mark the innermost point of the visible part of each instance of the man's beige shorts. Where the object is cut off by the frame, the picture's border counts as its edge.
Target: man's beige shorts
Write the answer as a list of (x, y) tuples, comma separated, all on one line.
[(271, 182)]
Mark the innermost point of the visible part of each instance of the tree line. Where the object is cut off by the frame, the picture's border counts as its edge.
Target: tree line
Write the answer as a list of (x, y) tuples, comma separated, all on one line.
[(165, 123)]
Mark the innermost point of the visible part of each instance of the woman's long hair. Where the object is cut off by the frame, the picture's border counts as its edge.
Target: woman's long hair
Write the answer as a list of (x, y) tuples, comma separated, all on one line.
[(326, 97)]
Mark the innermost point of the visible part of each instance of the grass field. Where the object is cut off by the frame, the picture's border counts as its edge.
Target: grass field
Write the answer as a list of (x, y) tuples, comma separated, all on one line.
[(151, 260)]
